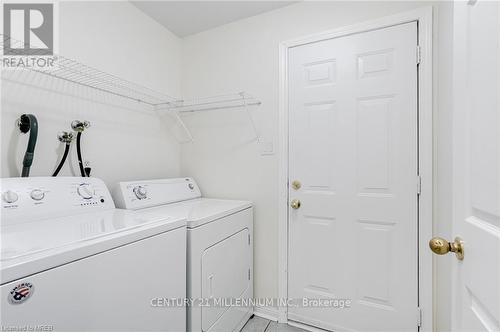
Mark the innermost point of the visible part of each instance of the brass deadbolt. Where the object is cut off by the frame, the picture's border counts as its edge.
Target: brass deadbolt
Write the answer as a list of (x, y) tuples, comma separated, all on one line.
[(296, 184)]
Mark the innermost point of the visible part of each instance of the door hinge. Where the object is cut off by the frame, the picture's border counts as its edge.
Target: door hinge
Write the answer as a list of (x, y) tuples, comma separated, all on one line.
[(419, 317), (248, 239), (419, 55), (419, 185), (248, 274)]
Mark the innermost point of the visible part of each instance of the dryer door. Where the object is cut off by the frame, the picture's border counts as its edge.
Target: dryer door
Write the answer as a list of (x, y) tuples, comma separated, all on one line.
[(226, 269)]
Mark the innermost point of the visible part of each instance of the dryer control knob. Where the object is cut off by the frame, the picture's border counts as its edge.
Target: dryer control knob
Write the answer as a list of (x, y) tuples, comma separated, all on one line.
[(10, 196), (140, 192), (85, 191), (37, 194)]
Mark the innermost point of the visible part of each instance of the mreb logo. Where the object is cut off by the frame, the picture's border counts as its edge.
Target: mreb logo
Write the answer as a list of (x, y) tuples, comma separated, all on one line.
[(32, 24), (21, 293)]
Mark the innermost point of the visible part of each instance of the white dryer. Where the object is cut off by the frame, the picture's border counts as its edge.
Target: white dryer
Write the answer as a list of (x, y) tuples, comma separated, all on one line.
[(219, 248), (70, 261)]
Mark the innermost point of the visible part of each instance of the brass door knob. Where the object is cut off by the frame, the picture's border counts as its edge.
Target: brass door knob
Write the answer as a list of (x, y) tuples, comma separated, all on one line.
[(295, 204), (440, 246)]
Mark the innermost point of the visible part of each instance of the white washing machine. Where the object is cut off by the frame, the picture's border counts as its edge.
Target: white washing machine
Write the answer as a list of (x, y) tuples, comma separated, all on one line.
[(219, 248), (70, 261)]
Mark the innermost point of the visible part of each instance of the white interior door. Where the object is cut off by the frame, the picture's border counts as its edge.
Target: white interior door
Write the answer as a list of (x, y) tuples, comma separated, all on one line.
[(476, 219), (353, 149)]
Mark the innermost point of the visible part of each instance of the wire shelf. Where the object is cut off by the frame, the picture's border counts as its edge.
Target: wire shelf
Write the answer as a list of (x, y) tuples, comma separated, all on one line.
[(72, 71), (213, 103), (236, 101), (75, 72)]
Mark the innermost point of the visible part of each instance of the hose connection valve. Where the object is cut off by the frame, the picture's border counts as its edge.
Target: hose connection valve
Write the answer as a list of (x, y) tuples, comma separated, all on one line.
[(80, 126), (65, 137)]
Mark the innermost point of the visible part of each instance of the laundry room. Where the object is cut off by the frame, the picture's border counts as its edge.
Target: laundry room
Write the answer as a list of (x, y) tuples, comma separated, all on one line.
[(250, 166)]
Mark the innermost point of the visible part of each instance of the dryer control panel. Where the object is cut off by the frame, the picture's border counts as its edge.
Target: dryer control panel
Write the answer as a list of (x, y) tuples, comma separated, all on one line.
[(135, 195), (34, 198)]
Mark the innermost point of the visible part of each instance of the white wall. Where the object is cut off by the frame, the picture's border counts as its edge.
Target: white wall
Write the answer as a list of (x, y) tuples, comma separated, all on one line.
[(244, 56), (126, 140)]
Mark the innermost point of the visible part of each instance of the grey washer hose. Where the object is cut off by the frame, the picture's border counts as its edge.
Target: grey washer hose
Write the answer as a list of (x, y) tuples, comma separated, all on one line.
[(28, 122)]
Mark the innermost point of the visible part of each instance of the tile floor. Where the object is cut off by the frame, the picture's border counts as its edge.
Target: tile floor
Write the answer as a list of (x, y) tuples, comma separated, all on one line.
[(258, 324)]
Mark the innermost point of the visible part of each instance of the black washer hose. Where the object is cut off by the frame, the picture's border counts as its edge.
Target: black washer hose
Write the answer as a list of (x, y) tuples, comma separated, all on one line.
[(61, 163), (28, 122), (79, 154)]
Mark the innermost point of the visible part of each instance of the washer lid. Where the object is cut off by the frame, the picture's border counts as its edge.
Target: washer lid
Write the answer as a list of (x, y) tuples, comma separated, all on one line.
[(31, 247)]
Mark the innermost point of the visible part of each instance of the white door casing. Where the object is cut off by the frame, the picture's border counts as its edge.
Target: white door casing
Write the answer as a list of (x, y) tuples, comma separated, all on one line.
[(353, 146), (476, 174)]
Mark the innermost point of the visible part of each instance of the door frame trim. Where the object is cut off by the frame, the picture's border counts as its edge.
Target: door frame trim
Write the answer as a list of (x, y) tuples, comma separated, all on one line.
[(424, 18)]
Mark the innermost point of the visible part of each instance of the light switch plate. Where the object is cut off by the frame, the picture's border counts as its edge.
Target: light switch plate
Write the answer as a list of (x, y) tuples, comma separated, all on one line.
[(266, 148)]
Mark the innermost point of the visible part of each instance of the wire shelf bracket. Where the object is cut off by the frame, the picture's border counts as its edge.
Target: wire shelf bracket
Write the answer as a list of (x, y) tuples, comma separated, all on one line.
[(237, 101)]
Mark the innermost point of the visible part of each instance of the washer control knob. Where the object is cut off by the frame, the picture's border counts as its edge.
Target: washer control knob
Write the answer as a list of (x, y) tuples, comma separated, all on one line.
[(37, 194), (86, 191), (10, 197), (140, 192)]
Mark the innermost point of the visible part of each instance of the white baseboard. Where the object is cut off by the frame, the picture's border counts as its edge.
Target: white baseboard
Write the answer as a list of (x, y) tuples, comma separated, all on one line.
[(270, 313), (305, 327)]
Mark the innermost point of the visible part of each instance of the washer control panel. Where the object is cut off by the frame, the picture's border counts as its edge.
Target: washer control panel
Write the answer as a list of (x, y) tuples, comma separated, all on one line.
[(135, 195), (35, 198)]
